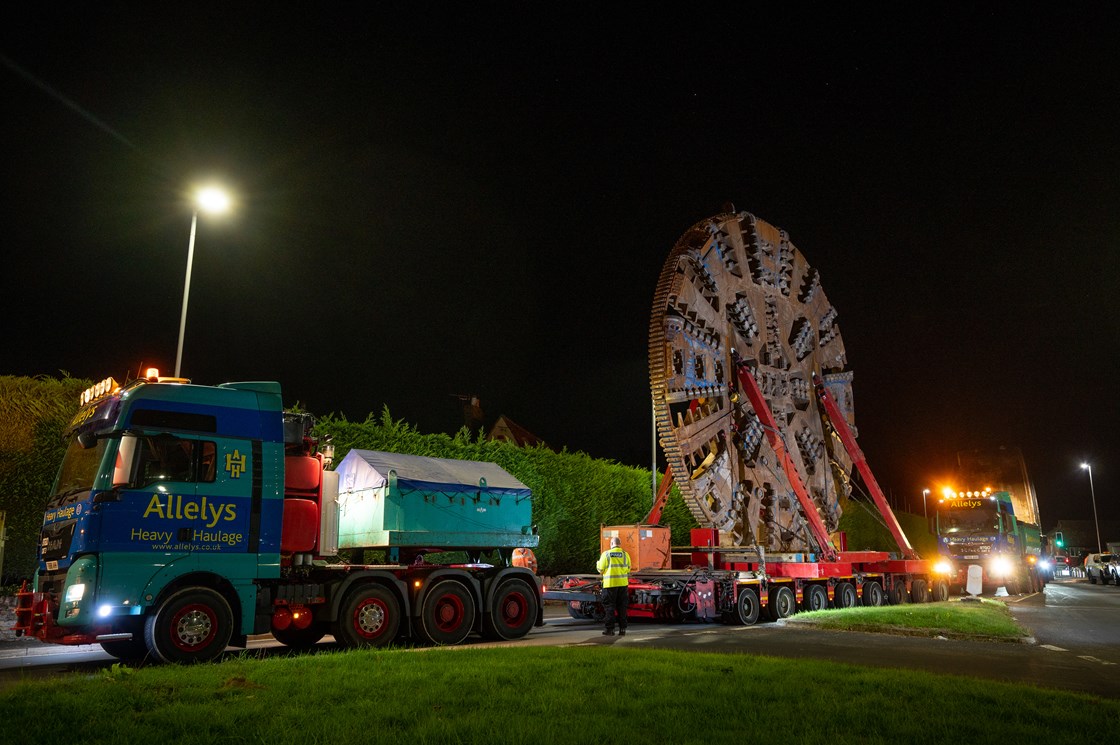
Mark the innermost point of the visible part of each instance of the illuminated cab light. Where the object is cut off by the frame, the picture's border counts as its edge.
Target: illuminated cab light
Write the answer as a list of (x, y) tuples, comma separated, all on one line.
[(104, 388), (75, 592), (104, 611), (152, 373)]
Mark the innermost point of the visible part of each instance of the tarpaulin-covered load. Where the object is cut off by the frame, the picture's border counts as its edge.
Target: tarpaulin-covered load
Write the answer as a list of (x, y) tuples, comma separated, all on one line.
[(393, 500)]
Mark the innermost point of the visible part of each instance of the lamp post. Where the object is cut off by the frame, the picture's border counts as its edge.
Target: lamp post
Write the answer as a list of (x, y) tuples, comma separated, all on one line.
[(215, 201), (925, 512), (1093, 495)]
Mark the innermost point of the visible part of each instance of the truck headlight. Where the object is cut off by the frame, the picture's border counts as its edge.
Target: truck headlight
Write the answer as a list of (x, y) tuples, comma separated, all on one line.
[(943, 567), (75, 592), (1043, 564), (1001, 566)]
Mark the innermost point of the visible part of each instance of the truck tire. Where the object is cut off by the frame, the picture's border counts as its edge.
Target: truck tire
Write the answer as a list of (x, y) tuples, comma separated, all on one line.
[(300, 638), (512, 613), (1012, 586), (781, 603), (446, 613), (192, 625), (844, 596), (872, 594), (919, 591), (370, 617), (747, 606), (940, 590), (898, 594), (814, 597)]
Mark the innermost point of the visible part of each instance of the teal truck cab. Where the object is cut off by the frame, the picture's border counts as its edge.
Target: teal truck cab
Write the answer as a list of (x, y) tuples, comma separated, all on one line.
[(980, 528), (185, 518)]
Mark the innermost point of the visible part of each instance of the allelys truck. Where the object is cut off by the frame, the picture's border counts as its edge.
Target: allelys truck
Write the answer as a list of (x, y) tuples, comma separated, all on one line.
[(186, 518)]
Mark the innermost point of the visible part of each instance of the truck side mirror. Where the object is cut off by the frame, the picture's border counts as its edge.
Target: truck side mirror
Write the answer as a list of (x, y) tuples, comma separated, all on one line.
[(87, 440), (126, 458)]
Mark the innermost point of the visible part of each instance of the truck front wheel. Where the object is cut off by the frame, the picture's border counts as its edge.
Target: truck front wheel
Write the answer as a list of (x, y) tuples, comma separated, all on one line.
[(192, 625), (370, 617)]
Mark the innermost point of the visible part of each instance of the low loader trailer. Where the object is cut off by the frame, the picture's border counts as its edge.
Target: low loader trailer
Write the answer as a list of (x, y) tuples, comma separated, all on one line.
[(707, 582)]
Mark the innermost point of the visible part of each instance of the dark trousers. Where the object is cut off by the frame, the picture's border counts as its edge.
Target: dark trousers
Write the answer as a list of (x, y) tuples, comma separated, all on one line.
[(616, 602)]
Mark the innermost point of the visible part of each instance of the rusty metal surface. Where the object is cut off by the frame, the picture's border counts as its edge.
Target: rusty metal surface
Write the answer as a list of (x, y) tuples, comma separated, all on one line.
[(735, 282)]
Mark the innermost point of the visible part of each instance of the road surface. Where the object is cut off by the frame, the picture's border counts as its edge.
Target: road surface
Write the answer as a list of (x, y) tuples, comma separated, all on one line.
[(1075, 645)]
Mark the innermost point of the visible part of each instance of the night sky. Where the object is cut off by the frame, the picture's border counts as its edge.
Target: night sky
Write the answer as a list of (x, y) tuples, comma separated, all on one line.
[(444, 199)]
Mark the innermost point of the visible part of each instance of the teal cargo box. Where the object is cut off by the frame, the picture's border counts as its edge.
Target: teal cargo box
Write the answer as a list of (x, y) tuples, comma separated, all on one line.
[(392, 500)]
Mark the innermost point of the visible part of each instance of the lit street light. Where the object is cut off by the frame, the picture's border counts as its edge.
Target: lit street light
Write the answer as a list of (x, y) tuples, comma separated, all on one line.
[(1093, 494), (215, 201)]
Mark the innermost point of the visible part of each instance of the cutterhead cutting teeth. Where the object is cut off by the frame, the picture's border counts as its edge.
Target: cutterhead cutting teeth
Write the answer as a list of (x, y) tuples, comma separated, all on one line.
[(736, 293)]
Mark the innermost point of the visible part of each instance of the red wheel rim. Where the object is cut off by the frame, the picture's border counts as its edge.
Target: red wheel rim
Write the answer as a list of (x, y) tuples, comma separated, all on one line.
[(448, 612), (193, 627), (515, 606), (371, 618)]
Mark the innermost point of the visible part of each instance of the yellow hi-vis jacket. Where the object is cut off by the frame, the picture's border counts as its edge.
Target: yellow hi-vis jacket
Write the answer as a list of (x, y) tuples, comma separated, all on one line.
[(614, 565)]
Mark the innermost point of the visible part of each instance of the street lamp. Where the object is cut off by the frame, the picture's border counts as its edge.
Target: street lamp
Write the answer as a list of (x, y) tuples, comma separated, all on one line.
[(215, 201), (1093, 494), (925, 513)]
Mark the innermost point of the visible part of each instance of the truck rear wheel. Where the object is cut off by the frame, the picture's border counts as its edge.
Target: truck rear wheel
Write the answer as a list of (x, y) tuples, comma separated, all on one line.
[(919, 591), (370, 617), (447, 613), (513, 611), (872, 594), (192, 625), (940, 590), (747, 606), (782, 603), (844, 596), (898, 594)]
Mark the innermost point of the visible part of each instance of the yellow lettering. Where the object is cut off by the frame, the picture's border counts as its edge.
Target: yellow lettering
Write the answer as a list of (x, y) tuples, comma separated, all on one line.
[(154, 506)]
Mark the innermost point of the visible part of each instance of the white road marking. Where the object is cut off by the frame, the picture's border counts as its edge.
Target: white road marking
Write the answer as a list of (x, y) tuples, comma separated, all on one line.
[(1091, 658), (1052, 648)]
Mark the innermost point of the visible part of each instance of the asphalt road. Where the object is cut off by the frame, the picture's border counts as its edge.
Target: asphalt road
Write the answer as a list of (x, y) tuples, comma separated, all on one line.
[(1076, 644)]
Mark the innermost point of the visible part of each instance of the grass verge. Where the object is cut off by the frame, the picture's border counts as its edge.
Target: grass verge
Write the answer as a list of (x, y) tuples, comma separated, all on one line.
[(986, 619), (541, 695)]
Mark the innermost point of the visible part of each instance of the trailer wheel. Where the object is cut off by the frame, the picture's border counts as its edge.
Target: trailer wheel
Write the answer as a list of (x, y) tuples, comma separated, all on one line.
[(844, 596), (782, 603), (872, 596), (192, 625), (940, 590), (447, 614), (574, 610), (513, 611), (919, 591), (747, 607), (814, 597), (300, 638), (898, 594), (370, 617), (1012, 586)]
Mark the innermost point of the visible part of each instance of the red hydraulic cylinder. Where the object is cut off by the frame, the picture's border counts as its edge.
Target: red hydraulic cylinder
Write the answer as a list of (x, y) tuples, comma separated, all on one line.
[(840, 425), (770, 427)]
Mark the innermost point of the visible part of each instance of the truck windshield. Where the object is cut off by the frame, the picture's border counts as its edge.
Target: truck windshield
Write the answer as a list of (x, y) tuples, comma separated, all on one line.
[(973, 521), (78, 470)]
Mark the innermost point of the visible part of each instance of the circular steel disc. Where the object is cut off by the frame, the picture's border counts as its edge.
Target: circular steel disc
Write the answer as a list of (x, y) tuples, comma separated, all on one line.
[(735, 282)]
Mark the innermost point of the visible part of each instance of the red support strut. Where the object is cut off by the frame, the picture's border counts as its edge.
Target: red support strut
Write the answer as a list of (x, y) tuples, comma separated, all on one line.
[(840, 425), (773, 435)]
